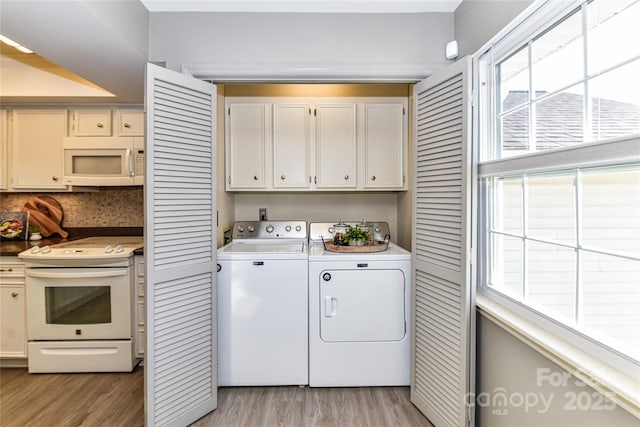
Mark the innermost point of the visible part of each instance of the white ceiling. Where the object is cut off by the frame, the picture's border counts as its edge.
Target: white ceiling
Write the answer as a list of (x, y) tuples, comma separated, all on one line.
[(115, 71), (315, 6)]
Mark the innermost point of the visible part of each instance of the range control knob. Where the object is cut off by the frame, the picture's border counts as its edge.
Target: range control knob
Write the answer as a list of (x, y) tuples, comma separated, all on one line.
[(240, 228), (35, 249), (288, 228), (269, 228), (298, 227), (46, 250), (108, 249), (119, 249), (251, 228)]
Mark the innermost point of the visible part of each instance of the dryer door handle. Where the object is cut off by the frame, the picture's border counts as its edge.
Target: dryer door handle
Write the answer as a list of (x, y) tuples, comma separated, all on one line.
[(330, 306)]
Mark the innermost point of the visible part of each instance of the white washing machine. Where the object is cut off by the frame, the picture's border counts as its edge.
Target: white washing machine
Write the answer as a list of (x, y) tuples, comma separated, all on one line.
[(262, 305), (359, 315)]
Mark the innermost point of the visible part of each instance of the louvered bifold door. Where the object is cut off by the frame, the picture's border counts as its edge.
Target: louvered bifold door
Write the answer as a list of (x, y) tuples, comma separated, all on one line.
[(180, 249), (441, 373)]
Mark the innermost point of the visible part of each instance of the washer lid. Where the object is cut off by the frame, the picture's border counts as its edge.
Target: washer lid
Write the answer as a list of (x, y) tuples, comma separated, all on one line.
[(251, 248), (279, 250)]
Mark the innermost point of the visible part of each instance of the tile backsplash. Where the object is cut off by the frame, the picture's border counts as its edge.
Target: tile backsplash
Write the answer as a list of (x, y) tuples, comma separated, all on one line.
[(117, 207)]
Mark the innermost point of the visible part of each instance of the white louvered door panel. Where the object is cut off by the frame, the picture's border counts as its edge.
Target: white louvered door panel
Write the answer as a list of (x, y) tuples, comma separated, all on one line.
[(442, 364), (180, 249)]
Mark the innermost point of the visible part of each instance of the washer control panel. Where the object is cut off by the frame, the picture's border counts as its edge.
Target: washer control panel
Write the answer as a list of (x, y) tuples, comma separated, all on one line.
[(245, 230)]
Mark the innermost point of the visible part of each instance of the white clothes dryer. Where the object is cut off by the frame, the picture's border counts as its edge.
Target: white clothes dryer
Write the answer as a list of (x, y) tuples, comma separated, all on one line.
[(359, 313)]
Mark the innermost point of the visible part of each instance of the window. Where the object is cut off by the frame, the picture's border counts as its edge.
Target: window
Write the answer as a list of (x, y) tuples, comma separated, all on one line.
[(560, 173)]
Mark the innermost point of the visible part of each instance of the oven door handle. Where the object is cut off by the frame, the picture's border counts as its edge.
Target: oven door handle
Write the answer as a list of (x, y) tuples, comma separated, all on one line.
[(76, 275)]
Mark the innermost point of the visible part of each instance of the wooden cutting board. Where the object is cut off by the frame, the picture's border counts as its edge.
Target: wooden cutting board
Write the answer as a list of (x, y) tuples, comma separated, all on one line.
[(46, 213)]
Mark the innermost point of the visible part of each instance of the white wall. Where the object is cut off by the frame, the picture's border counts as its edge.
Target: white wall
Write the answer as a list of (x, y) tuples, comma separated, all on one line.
[(476, 21), (517, 386), (322, 207), (300, 39)]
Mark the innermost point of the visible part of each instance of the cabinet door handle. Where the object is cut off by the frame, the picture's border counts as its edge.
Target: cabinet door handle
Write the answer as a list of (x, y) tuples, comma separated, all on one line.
[(282, 177), (373, 178), (55, 178), (255, 177), (14, 294), (7, 270), (100, 125), (346, 177), (127, 125)]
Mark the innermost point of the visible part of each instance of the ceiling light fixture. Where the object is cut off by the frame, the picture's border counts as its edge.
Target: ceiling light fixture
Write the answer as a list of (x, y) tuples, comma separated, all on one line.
[(23, 49), (8, 41)]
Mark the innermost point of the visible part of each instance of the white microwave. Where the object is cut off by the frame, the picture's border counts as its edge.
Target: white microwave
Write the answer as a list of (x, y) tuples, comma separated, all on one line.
[(103, 161)]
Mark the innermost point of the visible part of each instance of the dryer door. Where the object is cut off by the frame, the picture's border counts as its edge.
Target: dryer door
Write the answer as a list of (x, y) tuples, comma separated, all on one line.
[(362, 305)]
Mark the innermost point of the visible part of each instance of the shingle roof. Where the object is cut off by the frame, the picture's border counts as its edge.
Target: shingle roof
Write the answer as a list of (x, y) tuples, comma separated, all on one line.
[(559, 121)]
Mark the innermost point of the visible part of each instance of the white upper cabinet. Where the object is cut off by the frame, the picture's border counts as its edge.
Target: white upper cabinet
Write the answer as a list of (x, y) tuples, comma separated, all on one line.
[(383, 141), (335, 146), (4, 161), (246, 145), (92, 122), (129, 123), (36, 147), (324, 144), (291, 146)]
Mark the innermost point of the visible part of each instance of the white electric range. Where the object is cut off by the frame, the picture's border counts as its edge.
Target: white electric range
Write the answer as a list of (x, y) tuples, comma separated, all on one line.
[(79, 305)]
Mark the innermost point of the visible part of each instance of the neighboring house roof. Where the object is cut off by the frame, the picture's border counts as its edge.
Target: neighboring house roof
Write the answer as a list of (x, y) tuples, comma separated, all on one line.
[(559, 121)]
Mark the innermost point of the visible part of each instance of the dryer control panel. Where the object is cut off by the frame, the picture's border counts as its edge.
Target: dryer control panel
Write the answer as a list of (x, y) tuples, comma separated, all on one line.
[(325, 230)]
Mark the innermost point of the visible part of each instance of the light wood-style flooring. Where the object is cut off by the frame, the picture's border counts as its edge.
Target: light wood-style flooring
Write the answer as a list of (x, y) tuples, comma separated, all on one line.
[(117, 400), (65, 400)]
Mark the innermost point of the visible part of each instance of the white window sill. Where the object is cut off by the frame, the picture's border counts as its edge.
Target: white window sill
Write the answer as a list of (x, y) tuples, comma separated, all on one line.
[(621, 389)]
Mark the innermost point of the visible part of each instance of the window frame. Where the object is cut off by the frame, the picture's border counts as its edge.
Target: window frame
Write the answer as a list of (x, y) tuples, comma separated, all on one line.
[(536, 20)]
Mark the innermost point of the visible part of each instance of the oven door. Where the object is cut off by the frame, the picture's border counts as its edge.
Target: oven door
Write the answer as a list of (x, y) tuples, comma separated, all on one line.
[(79, 303)]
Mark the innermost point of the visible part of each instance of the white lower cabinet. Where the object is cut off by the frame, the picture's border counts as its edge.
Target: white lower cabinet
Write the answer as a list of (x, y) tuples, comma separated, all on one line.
[(13, 321), (139, 313)]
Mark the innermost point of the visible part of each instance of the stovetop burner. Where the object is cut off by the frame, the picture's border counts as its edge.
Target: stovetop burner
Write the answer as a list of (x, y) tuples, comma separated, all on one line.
[(84, 252), (103, 241)]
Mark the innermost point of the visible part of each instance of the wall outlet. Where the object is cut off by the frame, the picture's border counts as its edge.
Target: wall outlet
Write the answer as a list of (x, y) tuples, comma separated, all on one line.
[(262, 214)]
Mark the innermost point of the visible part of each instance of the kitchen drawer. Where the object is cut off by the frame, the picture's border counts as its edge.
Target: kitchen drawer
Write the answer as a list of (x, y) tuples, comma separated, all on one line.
[(139, 260), (140, 342), (11, 270), (140, 286), (140, 308)]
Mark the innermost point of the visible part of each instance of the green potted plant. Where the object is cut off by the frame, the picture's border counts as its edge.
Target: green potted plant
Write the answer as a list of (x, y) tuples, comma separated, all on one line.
[(356, 236), (34, 233)]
